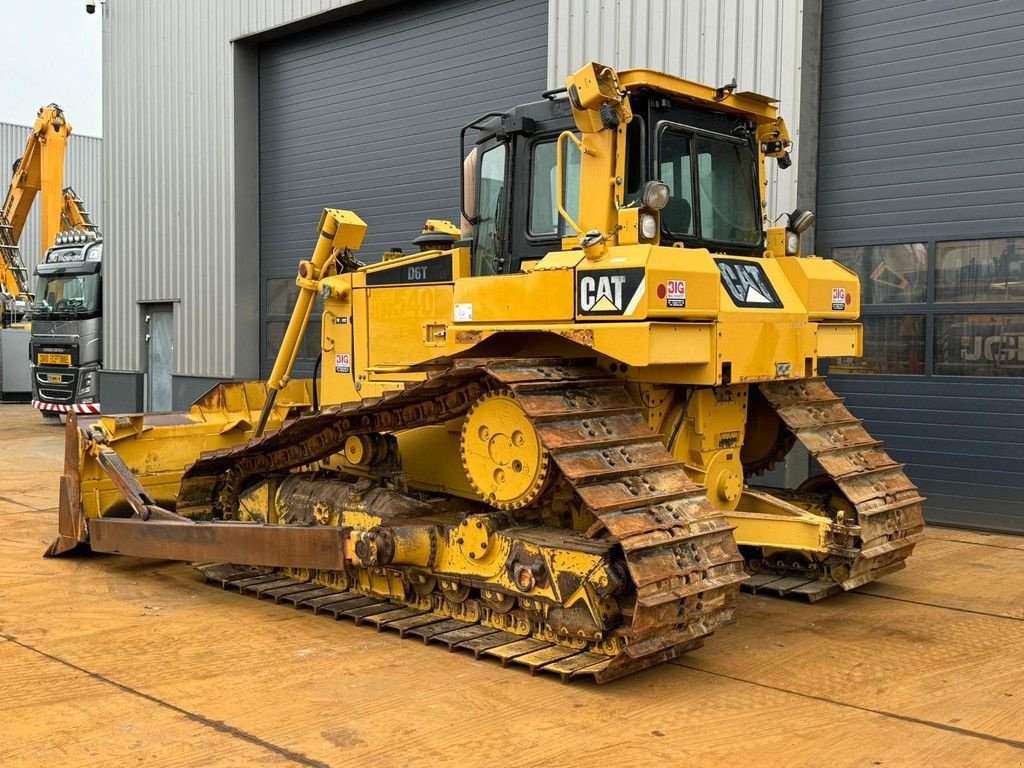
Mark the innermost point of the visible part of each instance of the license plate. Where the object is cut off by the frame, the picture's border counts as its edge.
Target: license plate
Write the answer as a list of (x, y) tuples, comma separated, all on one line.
[(54, 378), (50, 359)]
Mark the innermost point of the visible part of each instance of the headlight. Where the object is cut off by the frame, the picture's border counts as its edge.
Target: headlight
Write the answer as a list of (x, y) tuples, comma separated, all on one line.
[(654, 194), (648, 226), (792, 243)]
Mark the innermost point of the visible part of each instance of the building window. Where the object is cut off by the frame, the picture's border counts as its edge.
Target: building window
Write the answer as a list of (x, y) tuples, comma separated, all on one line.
[(979, 345), (950, 308), (308, 350), (893, 344), (889, 274), (280, 295), (980, 270)]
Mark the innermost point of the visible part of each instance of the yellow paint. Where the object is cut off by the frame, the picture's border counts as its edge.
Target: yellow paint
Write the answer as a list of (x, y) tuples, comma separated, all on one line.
[(157, 452), (542, 295)]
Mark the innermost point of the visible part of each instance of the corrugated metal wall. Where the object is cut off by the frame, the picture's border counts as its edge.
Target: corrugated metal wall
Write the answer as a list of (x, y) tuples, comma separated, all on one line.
[(168, 122), (921, 142), (83, 170), (709, 41), (920, 119), (393, 156)]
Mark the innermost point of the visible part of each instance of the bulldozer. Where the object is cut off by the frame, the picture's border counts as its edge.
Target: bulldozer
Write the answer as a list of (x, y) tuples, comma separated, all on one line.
[(538, 437)]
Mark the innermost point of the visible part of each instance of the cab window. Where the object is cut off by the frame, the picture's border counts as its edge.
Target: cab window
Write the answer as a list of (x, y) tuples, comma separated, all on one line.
[(544, 218), (677, 217), (722, 206), (490, 201)]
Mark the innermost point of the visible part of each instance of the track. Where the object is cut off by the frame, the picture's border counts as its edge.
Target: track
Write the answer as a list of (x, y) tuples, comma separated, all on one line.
[(887, 518), (537, 655), (679, 550)]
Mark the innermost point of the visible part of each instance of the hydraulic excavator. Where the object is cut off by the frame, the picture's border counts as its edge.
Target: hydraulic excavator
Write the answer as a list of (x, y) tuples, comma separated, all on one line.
[(64, 343), (40, 170), (538, 442)]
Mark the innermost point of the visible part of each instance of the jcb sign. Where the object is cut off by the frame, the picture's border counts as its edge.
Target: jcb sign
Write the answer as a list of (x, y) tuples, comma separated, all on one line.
[(1001, 348), (979, 345)]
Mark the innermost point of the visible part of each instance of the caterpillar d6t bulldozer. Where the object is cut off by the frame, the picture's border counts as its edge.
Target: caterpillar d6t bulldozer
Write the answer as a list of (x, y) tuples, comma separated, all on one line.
[(537, 437)]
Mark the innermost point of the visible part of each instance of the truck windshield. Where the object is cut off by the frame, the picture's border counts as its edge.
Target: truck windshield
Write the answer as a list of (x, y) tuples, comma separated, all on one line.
[(64, 296), (719, 202)]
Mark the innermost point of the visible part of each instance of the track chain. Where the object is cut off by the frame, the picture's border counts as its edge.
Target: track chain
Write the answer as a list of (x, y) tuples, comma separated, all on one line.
[(888, 519), (481, 641), (678, 548)]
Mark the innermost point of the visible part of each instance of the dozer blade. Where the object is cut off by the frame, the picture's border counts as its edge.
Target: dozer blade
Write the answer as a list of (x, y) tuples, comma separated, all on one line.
[(122, 466)]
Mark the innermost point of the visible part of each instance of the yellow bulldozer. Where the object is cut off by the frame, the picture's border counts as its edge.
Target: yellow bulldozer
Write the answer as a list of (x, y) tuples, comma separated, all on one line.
[(537, 437)]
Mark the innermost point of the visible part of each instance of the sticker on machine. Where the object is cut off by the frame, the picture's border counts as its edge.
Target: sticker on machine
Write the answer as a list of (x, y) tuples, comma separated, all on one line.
[(747, 284), (610, 291), (839, 299), (463, 313), (342, 363), (675, 295)]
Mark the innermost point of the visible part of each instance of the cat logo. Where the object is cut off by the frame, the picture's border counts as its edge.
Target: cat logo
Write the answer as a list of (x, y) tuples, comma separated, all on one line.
[(610, 292), (747, 284)]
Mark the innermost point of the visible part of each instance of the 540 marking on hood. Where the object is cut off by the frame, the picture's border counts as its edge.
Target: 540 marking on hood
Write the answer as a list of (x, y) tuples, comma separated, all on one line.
[(609, 292)]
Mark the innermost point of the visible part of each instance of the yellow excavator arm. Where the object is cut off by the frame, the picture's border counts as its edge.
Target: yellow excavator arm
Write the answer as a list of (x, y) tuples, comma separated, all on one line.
[(73, 214), (39, 171)]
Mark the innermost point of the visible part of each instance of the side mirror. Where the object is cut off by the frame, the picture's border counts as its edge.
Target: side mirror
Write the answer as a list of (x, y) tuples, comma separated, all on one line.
[(800, 220)]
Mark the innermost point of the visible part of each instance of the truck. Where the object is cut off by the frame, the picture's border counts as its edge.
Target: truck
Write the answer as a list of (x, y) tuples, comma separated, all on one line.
[(66, 344)]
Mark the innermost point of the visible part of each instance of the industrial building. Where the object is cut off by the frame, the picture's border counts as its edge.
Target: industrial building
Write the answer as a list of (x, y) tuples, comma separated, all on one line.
[(229, 126)]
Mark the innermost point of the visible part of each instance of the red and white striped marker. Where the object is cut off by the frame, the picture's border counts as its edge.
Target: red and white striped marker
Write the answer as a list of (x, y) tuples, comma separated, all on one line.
[(73, 408)]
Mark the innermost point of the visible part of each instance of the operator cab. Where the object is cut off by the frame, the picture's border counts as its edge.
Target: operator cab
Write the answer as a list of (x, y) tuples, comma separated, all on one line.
[(68, 286), (708, 159)]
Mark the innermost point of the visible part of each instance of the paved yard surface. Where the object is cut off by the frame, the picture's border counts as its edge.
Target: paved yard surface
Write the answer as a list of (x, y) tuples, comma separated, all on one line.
[(114, 661)]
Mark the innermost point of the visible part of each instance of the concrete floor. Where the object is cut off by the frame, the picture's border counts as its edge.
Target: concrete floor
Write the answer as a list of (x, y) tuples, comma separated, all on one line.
[(113, 661)]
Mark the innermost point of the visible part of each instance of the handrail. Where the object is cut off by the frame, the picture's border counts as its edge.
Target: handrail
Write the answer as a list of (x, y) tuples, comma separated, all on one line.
[(560, 174)]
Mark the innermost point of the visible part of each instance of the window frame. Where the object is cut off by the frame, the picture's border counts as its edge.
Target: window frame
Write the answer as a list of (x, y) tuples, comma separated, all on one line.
[(531, 237), (501, 220), (698, 239), (303, 365), (929, 308)]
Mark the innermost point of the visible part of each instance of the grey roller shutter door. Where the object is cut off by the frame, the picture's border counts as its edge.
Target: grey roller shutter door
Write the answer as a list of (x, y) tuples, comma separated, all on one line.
[(364, 114), (921, 142)]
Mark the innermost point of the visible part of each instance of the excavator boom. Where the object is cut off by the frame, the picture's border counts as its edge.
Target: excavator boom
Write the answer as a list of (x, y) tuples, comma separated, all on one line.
[(39, 171)]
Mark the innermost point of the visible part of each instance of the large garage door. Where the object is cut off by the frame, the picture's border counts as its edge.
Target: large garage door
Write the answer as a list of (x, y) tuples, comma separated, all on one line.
[(921, 191), (365, 114)]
